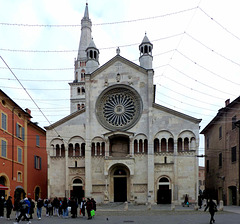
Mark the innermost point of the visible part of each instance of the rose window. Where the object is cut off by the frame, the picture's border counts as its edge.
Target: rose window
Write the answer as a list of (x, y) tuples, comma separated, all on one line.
[(118, 107)]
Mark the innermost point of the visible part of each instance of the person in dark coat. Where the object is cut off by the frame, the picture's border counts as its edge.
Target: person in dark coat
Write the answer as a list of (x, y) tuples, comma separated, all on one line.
[(24, 210), (212, 207), (16, 207), (9, 207), (89, 207), (82, 206), (32, 206), (73, 205), (65, 208), (2, 201), (39, 208), (94, 204)]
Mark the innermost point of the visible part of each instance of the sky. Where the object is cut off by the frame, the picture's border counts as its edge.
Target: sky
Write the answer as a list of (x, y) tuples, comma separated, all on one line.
[(196, 51)]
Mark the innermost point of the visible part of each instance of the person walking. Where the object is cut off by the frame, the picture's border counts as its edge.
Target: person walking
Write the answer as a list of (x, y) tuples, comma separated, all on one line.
[(212, 207), (39, 208), (16, 207), (89, 207), (9, 207), (24, 211), (2, 201), (32, 206), (73, 205)]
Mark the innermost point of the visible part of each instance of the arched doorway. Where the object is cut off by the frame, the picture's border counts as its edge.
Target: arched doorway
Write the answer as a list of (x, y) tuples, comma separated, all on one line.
[(19, 192), (232, 193), (120, 185), (164, 191), (3, 187), (77, 191), (37, 193)]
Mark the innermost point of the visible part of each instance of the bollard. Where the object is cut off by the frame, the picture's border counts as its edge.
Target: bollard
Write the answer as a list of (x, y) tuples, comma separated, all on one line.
[(149, 206), (221, 205), (172, 207), (125, 206)]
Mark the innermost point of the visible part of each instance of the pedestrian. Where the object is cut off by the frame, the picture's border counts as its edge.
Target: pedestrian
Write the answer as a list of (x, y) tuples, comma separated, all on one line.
[(60, 207), (94, 204), (83, 206), (65, 208), (212, 208), (16, 207), (89, 208), (32, 206), (24, 211), (39, 208), (74, 206), (9, 207), (56, 205), (50, 208), (199, 201), (186, 200), (2, 201)]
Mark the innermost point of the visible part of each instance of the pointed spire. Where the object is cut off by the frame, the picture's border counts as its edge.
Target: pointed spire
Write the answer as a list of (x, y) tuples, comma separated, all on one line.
[(86, 14)]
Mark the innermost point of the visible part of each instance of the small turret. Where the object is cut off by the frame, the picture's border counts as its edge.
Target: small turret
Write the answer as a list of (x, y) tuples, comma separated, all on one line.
[(92, 58), (146, 57)]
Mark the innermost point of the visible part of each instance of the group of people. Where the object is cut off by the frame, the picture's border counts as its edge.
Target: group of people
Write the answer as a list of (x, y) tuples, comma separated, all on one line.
[(25, 208)]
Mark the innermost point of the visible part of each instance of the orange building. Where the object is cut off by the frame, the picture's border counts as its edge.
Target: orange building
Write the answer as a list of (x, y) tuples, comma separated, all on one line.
[(23, 156)]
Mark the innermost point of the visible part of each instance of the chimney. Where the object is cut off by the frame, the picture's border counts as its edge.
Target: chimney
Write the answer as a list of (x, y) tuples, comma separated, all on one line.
[(227, 102), (29, 112)]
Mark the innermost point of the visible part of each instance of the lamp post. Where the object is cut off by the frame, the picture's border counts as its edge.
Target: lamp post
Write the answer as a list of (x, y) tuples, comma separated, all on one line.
[(237, 124)]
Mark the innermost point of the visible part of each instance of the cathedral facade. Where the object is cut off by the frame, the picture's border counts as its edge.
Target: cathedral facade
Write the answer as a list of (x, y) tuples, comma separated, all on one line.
[(117, 144)]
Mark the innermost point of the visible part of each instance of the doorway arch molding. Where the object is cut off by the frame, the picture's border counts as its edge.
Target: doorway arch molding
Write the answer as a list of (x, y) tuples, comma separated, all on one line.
[(111, 164)]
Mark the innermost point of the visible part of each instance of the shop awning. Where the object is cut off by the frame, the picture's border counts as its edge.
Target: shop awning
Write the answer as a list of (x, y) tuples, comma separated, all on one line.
[(3, 188)]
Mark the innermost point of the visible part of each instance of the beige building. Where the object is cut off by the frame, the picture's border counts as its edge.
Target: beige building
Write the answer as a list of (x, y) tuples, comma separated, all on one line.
[(201, 179), (117, 144), (222, 144)]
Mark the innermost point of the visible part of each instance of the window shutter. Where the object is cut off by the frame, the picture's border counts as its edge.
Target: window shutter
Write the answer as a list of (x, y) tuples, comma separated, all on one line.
[(17, 130), (35, 162), (23, 134), (40, 163)]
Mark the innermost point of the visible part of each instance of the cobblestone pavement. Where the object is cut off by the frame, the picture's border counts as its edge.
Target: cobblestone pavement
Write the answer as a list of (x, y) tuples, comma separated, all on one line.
[(115, 214)]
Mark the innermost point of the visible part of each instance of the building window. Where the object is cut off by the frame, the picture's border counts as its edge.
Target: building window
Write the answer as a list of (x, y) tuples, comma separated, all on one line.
[(3, 148), (37, 162), (19, 176), (20, 131), (234, 119), (4, 121), (37, 140), (234, 154), (19, 155), (220, 160), (220, 132)]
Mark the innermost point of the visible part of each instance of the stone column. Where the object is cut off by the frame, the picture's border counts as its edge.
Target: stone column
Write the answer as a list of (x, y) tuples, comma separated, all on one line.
[(67, 184), (175, 177)]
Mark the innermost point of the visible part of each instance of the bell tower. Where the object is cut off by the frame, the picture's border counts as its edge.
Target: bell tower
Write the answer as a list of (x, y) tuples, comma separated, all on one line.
[(77, 87), (146, 57)]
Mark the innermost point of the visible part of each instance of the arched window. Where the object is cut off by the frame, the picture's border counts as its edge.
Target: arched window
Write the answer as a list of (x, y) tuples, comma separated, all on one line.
[(146, 49), (170, 145), (156, 145), (83, 75), (77, 149), (135, 146), (83, 149), (146, 146), (70, 150), (57, 150), (163, 179), (93, 149), (91, 54), (78, 107), (163, 145), (78, 90), (179, 144), (98, 149), (103, 148), (186, 144), (82, 106), (83, 90), (120, 172), (63, 150), (77, 181), (140, 145), (95, 55)]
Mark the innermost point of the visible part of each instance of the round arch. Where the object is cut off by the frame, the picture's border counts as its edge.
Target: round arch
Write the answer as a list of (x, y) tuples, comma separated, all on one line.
[(164, 190), (77, 188)]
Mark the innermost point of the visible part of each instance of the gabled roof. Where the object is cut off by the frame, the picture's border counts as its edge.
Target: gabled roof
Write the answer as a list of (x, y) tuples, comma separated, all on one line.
[(123, 60), (65, 119), (176, 113), (220, 113)]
